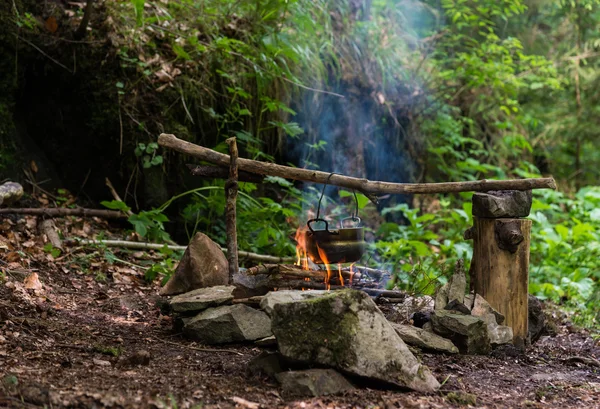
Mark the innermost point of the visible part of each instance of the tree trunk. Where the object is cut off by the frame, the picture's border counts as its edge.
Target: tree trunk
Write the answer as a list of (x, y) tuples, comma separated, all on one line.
[(500, 269)]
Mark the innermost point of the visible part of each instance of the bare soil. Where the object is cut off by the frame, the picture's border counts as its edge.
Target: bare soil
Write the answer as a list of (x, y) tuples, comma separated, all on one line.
[(74, 343)]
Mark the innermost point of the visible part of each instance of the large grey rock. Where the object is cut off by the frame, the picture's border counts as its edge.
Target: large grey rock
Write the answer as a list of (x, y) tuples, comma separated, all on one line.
[(346, 331), (424, 339), (503, 203), (203, 265), (468, 333), (230, 323), (313, 382), (202, 298), (285, 296), (481, 308), (458, 283)]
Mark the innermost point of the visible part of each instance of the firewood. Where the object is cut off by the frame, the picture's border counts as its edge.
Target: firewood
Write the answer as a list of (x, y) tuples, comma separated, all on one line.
[(367, 187), (298, 272)]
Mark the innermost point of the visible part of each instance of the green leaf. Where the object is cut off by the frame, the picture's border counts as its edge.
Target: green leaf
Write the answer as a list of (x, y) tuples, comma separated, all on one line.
[(116, 205), (181, 53)]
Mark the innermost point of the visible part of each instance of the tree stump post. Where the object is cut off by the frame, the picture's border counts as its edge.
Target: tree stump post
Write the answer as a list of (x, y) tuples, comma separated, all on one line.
[(500, 265)]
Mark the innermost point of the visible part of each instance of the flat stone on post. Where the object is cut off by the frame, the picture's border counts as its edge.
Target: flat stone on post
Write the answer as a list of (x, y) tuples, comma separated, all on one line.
[(502, 204)]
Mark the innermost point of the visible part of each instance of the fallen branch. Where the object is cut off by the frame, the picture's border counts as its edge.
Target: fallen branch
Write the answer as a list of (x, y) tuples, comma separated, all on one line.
[(365, 186), (48, 228), (59, 211), (155, 246), (218, 172), (228, 351), (231, 191)]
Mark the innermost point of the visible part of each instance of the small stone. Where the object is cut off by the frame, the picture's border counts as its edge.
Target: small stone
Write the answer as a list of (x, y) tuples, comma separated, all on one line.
[(420, 318), (203, 265), (141, 357), (266, 342), (251, 286), (267, 363), (537, 319), (100, 362), (202, 299), (457, 306), (230, 323), (481, 308), (502, 204), (428, 327), (469, 299), (313, 382), (458, 283), (423, 339), (468, 333), (501, 335), (286, 296), (441, 297)]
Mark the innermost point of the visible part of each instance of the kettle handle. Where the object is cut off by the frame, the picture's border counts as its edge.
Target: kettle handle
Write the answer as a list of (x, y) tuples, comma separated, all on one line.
[(353, 218), (308, 224)]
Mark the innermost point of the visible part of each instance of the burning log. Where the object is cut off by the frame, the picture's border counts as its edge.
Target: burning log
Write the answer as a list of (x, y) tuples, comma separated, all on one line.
[(295, 272), (311, 285), (367, 187)]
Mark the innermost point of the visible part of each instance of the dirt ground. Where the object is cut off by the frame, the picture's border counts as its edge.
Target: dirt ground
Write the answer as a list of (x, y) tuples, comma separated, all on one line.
[(74, 343)]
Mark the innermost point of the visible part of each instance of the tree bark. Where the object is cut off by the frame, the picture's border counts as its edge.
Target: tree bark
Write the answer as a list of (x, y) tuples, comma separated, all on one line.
[(367, 187), (500, 269), (231, 190)]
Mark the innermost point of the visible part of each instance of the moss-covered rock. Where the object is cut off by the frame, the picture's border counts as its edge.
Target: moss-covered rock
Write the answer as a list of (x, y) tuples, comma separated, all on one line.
[(345, 330)]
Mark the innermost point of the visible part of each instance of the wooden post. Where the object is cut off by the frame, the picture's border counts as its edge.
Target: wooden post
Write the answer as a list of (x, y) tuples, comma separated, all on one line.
[(231, 190), (500, 267)]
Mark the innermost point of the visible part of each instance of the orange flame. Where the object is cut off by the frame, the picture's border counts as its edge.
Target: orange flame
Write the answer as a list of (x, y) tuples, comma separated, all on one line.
[(301, 247), (340, 273), (351, 272), (323, 257)]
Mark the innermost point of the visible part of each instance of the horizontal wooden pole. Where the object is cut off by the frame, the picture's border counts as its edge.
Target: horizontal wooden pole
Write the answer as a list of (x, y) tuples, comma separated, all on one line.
[(365, 186)]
